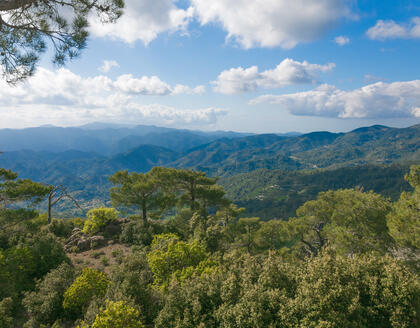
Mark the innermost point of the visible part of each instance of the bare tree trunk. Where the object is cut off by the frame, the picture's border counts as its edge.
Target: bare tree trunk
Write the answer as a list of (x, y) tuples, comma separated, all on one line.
[(49, 207), (14, 4)]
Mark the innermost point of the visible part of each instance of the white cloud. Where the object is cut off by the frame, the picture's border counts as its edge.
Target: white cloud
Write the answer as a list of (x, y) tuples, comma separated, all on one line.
[(64, 98), (144, 20), (143, 86), (183, 89), (152, 86), (108, 65), (342, 40), (369, 78), (378, 100), (288, 72), (391, 30), (272, 23)]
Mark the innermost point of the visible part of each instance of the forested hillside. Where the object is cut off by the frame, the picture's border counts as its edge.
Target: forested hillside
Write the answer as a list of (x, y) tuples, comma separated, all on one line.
[(277, 194), (348, 258), (357, 158)]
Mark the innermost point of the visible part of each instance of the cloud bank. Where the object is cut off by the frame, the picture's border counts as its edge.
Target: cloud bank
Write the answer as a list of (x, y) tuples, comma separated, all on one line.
[(288, 72), (378, 100), (144, 20), (259, 23), (272, 23), (62, 97), (389, 29)]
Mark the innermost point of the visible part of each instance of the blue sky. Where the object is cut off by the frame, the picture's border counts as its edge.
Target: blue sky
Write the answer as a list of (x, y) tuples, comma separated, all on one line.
[(257, 66)]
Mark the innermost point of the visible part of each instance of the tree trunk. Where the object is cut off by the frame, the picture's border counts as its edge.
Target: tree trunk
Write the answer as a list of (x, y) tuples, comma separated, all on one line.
[(49, 207), (13, 4), (144, 209)]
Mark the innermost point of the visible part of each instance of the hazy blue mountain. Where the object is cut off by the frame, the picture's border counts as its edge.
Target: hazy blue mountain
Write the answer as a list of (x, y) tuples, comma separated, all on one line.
[(104, 138)]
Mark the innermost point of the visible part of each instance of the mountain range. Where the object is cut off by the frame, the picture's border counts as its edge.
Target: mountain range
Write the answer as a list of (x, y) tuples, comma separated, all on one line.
[(82, 158)]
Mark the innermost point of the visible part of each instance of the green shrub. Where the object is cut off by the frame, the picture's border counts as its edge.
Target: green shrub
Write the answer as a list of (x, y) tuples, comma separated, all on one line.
[(116, 314), (98, 219), (6, 318), (174, 259), (78, 296), (97, 255), (44, 305), (61, 228), (104, 260), (136, 233)]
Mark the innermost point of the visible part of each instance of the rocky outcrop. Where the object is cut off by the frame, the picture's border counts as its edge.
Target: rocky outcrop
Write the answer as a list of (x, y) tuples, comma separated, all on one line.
[(79, 242)]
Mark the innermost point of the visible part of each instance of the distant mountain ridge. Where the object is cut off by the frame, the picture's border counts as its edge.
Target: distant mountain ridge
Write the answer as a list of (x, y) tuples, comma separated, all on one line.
[(105, 139), (86, 173), (222, 156)]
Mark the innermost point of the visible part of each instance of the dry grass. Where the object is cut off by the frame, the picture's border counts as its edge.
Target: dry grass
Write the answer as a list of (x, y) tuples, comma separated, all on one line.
[(96, 258)]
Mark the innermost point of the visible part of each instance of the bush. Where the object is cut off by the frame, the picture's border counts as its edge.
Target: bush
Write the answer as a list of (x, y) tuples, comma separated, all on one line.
[(78, 296), (97, 255), (61, 228), (173, 258), (131, 281), (118, 314), (6, 318), (104, 260), (135, 233), (98, 219), (44, 305)]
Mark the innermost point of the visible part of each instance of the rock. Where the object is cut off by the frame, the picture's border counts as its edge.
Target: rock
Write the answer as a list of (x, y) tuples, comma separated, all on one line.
[(97, 241), (112, 229), (83, 244)]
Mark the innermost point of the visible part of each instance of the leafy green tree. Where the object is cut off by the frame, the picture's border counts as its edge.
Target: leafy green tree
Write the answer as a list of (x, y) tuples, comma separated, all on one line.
[(195, 188), (118, 314), (13, 191), (325, 291), (168, 261), (229, 213), (363, 291), (131, 280), (98, 218), (31, 260), (139, 191), (404, 220), (349, 220), (6, 313), (45, 305), (27, 26), (247, 229), (272, 235), (89, 284), (135, 233)]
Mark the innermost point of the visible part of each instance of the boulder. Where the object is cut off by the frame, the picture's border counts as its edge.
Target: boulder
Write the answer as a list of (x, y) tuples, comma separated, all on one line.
[(97, 241)]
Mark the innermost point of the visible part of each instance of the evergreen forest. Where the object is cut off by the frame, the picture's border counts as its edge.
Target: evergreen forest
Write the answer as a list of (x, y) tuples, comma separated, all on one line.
[(173, 250)]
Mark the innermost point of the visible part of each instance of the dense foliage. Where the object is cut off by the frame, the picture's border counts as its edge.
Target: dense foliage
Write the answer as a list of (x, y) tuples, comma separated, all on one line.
[(348, 258)]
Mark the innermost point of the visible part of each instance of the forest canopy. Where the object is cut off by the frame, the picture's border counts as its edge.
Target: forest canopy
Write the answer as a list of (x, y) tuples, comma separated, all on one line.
[(175, 252)]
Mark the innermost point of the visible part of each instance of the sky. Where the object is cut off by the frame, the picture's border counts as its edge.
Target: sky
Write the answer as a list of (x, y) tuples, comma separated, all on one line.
[(263, 66)]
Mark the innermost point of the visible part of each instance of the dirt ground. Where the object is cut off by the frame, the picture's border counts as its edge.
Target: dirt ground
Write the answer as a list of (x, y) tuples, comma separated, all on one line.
[(100, 258)]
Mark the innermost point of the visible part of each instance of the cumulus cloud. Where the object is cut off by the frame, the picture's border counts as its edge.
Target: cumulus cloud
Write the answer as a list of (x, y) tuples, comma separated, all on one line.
[(342, 40), (288, 72), (144, 20), (378, 100), (108, 65), (272, 23), (389, 29), (67, 98)]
